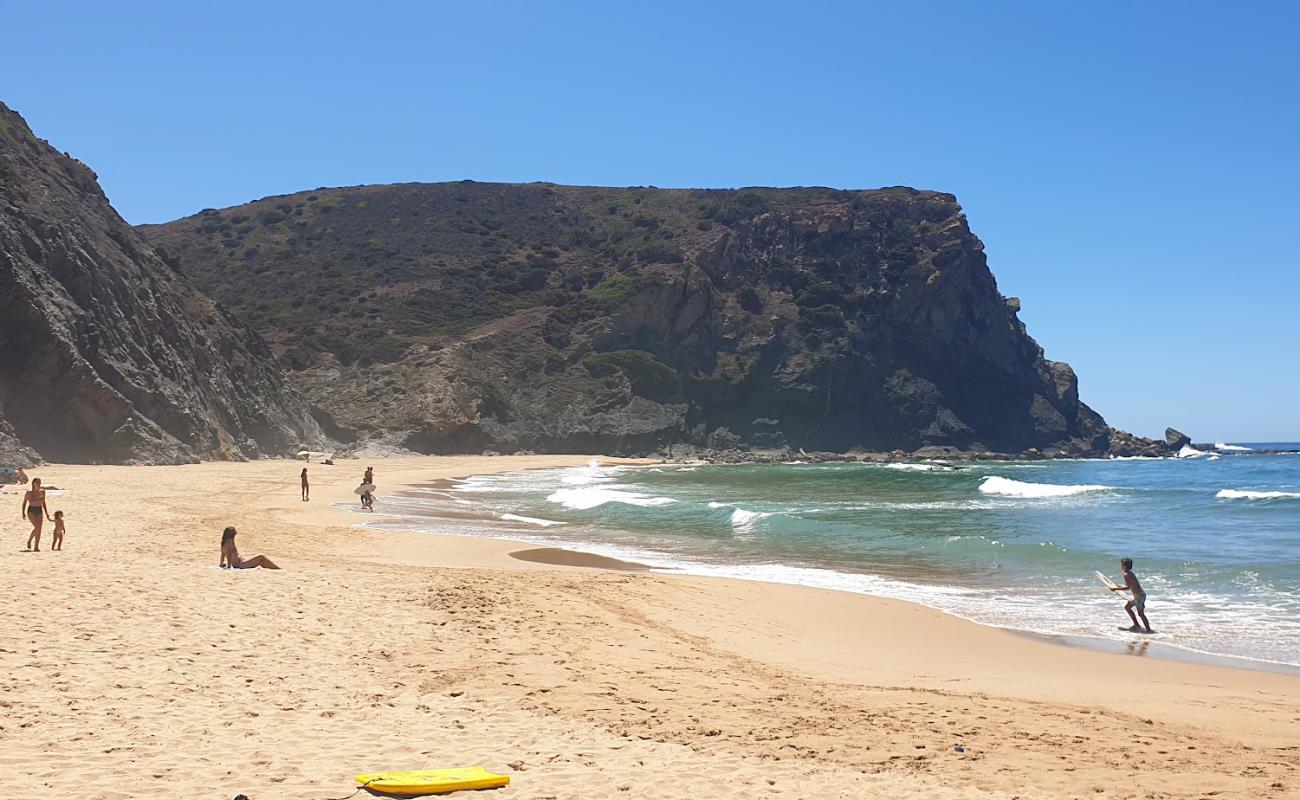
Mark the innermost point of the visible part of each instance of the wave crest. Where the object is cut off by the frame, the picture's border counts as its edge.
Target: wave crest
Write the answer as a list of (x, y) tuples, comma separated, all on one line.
[(1007, 487), (589, 497), (1246, 494), (742, 518)]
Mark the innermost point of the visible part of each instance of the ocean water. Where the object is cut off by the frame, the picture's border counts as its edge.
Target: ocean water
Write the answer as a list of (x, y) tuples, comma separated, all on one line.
[(1215, 538)]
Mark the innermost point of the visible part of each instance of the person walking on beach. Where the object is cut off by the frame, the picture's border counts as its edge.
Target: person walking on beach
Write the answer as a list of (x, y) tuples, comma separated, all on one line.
[(368, 501), (306, 487), (1139, 601), (369, 477), (36, 512), (230, 554)]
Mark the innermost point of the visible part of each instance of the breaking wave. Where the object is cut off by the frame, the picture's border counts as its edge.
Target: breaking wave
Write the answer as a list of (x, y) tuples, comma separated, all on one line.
[(1246, 494), (593, 496), (742, 518), (1007, 487)]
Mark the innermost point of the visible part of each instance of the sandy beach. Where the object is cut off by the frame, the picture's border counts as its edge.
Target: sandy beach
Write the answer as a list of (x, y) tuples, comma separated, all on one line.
[(134, 668)]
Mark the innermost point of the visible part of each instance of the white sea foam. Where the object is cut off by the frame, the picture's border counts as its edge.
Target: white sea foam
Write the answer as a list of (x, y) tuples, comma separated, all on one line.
[(545, 523), (1231, 448), (743, 519), (1246, 494), (1007, 487), (716, 504), (592, 496), (483, 483), (1190, 452), (583, 480), (919, 467)]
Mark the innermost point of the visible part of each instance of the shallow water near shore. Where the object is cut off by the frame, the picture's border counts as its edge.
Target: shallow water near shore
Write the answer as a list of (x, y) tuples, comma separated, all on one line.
[(1216, 540)]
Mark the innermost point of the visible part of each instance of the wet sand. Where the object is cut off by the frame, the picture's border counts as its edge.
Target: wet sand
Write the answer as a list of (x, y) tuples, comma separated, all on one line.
[(559, 557)]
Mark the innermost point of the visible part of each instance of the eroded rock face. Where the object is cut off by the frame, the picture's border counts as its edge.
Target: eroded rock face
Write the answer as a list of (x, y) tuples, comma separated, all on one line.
[(12, 451), (464, 317), (109, 355), (1176, 439)]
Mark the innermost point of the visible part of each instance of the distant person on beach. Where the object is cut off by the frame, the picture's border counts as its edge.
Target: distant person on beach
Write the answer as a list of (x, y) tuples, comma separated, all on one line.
[(230, 554), (306, 487), (368, 501), (1139, 601), (36, 512), (369, 476), (57, 543), (22, 476)]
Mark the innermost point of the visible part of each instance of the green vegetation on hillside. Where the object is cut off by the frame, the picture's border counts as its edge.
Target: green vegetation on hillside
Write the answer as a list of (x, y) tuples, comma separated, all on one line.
[(365, 272)]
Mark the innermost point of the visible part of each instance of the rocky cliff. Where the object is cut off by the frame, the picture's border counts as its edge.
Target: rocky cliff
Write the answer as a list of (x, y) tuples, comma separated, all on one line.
[(108, 354), (467, 316)]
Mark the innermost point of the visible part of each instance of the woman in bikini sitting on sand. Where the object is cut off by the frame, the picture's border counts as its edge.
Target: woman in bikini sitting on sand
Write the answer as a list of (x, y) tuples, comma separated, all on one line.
[(230, 555), (36, 512)]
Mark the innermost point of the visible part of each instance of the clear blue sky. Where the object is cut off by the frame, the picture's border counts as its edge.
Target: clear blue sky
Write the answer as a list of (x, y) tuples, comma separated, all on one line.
[(1131, 167)]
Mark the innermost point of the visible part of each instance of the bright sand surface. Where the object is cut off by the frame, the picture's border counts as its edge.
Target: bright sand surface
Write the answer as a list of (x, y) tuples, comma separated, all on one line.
[(130, 666)]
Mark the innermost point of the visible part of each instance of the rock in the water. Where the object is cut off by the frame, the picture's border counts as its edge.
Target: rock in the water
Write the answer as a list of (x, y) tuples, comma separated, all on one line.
[(109, 354), (1176, 439)]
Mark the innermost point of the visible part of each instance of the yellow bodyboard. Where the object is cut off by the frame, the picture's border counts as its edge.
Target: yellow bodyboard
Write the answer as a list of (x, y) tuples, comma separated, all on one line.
[(432, 781)]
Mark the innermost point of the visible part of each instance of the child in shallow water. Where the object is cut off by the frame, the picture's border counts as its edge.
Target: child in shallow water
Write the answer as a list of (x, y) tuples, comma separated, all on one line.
[(57, 544)]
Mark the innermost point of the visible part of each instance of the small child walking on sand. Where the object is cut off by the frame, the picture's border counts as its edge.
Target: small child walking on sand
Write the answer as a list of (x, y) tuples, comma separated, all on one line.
[(1139, 601), (57, 544)]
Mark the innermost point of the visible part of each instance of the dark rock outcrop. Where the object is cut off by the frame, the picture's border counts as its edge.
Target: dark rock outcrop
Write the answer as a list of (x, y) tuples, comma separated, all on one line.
[(1176, 440), (109, 354), (463, 317), (12, 451), (1123, 443)]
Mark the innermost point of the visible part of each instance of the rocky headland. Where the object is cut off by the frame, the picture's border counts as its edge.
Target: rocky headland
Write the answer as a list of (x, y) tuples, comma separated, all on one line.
[(108, 354), (748, 324), (464, 317)]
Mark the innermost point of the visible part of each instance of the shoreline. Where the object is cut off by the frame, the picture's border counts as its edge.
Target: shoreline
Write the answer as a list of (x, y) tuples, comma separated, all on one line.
[(140, 670), (572, 554)]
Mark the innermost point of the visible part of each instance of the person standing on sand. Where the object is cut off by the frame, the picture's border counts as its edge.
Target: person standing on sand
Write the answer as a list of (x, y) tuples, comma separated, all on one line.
[(369, 477), (59, 530), (230, 554), (36, 512), (306, 487), (1139, 600)]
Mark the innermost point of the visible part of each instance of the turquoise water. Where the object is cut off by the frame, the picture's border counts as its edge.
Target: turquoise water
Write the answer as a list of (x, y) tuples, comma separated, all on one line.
[(1216, 539)]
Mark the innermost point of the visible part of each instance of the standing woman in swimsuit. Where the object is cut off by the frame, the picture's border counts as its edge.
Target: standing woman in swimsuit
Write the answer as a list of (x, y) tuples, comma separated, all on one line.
[(230, 555), (36, 512), (306, 487)]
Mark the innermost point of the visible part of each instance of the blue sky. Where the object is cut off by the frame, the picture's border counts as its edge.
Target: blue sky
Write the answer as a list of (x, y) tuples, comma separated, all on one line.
[(1131, 167)]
